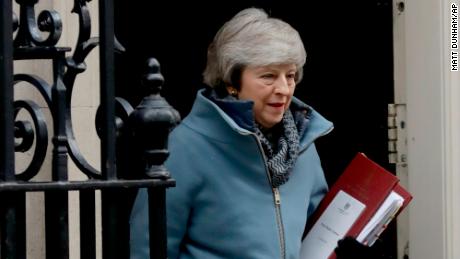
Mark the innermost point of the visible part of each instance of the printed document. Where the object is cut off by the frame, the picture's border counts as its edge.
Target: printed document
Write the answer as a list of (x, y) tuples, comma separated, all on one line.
[(382, 217), (331, 226)]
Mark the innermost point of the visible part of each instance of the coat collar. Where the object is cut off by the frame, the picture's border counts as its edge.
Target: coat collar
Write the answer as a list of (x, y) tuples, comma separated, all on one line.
[(209, 118)]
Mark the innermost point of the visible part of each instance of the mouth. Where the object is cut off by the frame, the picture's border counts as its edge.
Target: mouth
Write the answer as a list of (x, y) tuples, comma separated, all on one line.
[(276, 105)]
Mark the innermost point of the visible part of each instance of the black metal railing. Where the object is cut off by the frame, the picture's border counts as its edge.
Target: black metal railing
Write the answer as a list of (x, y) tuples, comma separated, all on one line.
[(133, 141)]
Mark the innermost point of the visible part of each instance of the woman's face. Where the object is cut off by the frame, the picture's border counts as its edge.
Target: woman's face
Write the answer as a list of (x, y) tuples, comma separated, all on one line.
[(271, 88)]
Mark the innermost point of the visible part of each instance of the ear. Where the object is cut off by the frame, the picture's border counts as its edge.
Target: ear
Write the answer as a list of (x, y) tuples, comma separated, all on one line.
[(232, 91)]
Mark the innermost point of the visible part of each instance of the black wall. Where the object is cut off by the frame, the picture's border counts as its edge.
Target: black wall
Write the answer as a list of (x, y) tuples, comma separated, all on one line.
[(348, 74)]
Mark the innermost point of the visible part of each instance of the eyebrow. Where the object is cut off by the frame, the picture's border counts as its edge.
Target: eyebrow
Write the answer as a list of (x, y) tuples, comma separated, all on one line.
[(269, 68)]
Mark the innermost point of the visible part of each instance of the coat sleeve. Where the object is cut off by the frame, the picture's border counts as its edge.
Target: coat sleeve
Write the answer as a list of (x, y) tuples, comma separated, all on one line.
[(139, 227), (179, 203), (320, 187)]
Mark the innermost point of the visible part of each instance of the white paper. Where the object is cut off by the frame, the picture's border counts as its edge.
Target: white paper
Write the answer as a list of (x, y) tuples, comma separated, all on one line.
[(331, 226), (385, 213)]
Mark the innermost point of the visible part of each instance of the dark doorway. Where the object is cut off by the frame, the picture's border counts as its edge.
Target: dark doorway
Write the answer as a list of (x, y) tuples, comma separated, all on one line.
[(348, 74)]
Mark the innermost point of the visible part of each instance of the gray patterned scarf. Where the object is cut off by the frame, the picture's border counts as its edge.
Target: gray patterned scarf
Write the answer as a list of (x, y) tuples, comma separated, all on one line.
[(280, 143), (281, 146)]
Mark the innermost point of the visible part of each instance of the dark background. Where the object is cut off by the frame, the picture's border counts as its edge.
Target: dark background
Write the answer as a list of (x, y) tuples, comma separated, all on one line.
[(348, 74)]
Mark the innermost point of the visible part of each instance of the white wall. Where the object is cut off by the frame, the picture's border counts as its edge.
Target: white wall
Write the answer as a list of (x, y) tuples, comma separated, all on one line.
[(433, 109)]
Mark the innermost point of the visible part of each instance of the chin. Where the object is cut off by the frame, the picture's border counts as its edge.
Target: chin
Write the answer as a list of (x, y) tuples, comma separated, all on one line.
[(273, 122)]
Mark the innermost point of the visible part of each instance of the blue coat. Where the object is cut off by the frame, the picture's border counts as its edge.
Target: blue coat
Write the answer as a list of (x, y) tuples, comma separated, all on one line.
[(223, 205)]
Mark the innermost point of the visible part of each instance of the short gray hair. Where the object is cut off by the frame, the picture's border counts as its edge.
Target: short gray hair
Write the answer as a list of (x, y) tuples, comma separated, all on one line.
[(252, 38)]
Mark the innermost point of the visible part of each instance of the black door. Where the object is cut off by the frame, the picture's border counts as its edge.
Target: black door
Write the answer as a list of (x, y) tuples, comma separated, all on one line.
[(348, 74)]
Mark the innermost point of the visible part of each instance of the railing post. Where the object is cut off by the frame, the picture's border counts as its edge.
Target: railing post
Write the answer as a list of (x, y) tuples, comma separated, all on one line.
[(12, 207), (151, 123), (56, 202), (6, 92), (107, 93), (109, 198), (87, 224)]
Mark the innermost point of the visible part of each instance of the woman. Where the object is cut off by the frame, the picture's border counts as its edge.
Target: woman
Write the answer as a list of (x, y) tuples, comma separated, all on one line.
[(247, 171)]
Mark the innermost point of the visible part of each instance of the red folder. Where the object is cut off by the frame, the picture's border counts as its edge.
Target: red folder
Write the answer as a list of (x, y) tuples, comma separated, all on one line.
[(367, 182), (405, 194)]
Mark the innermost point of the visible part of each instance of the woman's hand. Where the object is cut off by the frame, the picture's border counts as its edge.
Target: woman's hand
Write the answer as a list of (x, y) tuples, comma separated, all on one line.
[(349, 248)]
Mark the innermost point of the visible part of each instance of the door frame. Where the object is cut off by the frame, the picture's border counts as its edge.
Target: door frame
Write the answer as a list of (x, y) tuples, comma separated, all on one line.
[(424, 82)]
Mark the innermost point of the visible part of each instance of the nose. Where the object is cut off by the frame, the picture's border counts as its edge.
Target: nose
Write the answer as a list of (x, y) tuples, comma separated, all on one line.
[(282, 85)]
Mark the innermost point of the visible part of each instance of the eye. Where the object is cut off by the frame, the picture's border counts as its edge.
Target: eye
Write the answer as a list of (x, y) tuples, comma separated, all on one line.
[(268, 76), (291, 76)]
